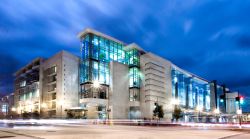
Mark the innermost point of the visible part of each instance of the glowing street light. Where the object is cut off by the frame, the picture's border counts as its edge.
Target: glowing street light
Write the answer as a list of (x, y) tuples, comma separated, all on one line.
[(96, 84), (217, 111), (61, 103), (199, 108), (13, 109), (31, 107), (43, 105), (175, 101)]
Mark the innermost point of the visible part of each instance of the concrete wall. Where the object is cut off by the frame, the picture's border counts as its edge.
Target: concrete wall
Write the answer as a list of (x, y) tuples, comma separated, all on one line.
[(119, 90), (212, 97), (55, 60), (70, 82), (67, 82), (91, 114), (232, 107), (155, 83)]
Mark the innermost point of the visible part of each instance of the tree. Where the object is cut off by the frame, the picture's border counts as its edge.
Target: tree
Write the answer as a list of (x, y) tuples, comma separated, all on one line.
[(158, 110), (177, 114), (25, 115), (70, 114), (102, 56)]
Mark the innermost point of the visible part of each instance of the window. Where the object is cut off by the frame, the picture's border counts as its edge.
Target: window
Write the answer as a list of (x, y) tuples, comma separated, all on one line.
[(4, 108), (23, 83), (231, 102), (134, 94)]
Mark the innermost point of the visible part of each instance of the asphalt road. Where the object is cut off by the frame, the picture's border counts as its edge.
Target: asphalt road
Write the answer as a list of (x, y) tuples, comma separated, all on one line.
[(118, 132)]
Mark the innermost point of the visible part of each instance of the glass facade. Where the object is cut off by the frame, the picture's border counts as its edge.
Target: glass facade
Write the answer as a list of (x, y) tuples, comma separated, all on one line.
[(190, 91), (96, 52), (134, 77), (133, 58), (29, 91)]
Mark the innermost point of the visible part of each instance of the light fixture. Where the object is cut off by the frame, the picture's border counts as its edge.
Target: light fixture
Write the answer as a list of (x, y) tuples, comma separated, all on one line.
[(82, 112), (13, 109), (61, 103), (31, 106), (43, 105), (175, 79), (175, 101), (216, 111), (199, 108), (96, 84)]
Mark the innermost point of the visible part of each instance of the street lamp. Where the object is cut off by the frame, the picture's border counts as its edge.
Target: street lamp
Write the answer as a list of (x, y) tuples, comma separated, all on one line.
[(96, 84), (43, 105), (175, 101), (31, 107), (216, 111), (239, 112), (199, 108), (61, 103)]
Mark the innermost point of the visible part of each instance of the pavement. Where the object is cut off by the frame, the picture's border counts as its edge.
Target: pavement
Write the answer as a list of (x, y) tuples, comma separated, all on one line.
[(69, 131)]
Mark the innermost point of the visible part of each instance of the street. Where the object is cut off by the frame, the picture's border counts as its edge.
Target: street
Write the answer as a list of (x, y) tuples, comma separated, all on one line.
[(118, 132)]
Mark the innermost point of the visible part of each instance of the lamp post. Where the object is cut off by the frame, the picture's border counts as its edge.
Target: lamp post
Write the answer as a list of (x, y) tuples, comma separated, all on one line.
[(239, 112), (216, 111), (31, 107), (43, 107), (21, 109), (175, 102), (13, 109), (61, 103), (199, 108)]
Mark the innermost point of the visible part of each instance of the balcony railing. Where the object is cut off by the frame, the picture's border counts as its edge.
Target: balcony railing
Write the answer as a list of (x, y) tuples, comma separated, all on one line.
[(97, 95)]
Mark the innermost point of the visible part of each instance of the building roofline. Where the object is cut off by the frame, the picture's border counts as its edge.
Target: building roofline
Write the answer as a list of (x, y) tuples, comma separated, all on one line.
[(191, 74), (133, 46), (34, 60), (90, 30)]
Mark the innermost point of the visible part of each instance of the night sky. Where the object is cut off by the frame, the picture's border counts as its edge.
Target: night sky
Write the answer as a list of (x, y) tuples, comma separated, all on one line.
[(208, 38)]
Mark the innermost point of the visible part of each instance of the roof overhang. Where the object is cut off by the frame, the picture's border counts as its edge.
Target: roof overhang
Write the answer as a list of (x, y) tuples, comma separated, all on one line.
[(79, 108), (133, 46), (29, 64), (191, 74), (90, 30)]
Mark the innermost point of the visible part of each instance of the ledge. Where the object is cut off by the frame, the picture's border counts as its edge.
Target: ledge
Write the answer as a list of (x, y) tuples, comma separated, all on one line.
[(134, 103), (53, 91), (54, 82), (94, 102), (51, 74)]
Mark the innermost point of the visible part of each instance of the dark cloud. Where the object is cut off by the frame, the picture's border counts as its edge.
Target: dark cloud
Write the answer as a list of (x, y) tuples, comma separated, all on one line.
[(207, 38), (244, 41)]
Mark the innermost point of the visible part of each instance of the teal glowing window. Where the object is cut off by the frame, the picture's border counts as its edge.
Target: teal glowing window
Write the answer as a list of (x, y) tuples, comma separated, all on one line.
[(96, 52), (134, 77)]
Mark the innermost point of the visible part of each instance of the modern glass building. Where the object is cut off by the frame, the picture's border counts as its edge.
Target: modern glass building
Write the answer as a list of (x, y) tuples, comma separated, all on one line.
[(144, 79), (115, 80)]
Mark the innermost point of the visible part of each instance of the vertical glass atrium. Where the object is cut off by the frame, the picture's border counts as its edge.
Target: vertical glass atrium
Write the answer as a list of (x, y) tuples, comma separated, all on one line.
[(190, 92)]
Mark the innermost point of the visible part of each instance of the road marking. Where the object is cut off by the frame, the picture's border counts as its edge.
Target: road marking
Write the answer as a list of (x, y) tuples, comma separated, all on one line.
[(229, 136), (22, 135)]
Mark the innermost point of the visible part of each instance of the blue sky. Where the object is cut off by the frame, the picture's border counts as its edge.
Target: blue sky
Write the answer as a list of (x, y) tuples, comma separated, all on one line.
[(208, 38)]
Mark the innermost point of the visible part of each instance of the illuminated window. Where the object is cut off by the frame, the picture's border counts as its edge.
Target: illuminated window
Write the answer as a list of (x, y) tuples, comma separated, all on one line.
[(23, 83)]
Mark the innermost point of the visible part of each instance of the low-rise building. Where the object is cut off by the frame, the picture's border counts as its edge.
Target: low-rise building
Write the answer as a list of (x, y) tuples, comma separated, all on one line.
[(6, 105), (114, 80)]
